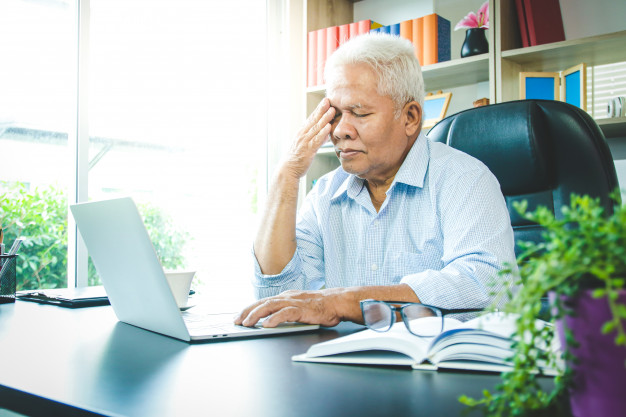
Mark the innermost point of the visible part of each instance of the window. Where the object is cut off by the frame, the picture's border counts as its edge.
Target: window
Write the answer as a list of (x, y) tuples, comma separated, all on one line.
[(37, 45), (174, 97)]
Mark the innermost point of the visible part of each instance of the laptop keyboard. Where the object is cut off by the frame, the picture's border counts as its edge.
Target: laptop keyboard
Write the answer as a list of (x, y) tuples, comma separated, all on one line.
[(212, 323)]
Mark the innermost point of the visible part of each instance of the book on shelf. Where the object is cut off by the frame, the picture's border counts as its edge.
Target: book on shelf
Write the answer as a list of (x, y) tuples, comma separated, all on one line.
[(332, 40), (429, 34), (354, 30), (544, 21), (436, 39), (323, 42), (406, 29), (418, 35), (521, 19), (344, 33), (320, 61), (480, 344), (311, 71)]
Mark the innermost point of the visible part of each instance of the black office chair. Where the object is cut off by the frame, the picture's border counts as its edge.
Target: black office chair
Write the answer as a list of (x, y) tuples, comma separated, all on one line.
[(541, 151)]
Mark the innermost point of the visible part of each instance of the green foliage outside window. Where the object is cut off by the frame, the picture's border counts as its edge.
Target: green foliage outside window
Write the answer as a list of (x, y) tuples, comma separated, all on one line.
[(39, 217)]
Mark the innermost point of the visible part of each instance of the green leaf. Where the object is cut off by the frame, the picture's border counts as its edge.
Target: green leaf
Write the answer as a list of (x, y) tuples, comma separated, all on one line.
[(608, 327)]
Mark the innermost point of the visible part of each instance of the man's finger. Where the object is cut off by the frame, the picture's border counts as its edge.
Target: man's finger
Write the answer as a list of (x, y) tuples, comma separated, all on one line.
[(315, 117), (246, 312), (267, 307), (286, 314), (322, 123)]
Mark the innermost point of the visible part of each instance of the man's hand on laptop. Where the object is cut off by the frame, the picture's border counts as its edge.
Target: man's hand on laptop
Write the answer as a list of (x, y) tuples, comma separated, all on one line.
[(324, 307)]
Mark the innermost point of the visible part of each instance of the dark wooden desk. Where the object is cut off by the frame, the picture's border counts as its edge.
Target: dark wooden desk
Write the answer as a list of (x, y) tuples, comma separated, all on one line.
[(57, 361)]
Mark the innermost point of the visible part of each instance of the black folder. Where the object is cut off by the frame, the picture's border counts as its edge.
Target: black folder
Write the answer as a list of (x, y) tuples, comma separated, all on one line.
[(67, 297)]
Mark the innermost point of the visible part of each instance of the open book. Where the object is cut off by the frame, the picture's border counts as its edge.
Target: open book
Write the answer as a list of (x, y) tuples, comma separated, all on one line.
[(481, 344)]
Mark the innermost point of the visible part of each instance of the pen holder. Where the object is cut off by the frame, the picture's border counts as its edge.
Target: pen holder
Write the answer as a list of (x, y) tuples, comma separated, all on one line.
[(8, 280)]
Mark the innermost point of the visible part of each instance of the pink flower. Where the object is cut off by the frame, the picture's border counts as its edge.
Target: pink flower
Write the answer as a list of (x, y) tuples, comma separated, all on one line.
[(475, 21)]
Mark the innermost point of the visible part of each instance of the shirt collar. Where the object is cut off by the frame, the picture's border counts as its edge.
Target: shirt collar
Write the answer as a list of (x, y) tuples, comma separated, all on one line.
[(412, 171)]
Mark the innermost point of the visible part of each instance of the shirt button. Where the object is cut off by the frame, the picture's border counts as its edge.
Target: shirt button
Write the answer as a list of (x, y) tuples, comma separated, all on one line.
[(374, 267), (375, 222)]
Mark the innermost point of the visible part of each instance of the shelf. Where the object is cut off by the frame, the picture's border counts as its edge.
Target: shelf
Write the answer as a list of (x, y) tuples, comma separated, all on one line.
[(443, 75), (457, 72), (557, 56), (613, 127)]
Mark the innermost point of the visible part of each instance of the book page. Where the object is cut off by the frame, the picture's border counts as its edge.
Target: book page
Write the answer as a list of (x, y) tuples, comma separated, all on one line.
[(397, 339)]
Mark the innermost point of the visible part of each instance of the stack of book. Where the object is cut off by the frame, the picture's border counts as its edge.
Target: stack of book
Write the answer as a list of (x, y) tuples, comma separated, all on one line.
[(430, 35), (322, 43)]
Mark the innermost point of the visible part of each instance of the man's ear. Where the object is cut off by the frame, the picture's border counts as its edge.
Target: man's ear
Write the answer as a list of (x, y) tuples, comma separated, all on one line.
[(413, 117)]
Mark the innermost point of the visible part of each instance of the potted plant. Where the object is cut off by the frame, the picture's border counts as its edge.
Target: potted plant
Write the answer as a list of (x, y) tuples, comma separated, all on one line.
[(475, 24), (582, 265)]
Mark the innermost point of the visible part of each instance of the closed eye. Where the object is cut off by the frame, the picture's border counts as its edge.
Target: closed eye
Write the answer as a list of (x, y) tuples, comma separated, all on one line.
[(357, 115)]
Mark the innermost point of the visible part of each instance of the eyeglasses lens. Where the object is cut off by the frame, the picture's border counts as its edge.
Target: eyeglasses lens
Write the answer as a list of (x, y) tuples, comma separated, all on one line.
[(422, 320), (377, 316)]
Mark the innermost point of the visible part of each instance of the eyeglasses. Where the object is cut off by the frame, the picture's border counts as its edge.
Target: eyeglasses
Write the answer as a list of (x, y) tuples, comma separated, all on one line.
[(420, 319)]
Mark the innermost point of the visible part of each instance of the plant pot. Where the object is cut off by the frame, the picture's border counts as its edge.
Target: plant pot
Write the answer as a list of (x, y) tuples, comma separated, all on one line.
[(600, 373), (475, 43)]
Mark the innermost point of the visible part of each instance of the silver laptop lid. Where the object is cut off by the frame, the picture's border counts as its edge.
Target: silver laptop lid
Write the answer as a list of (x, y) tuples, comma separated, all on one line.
[(131, 273)]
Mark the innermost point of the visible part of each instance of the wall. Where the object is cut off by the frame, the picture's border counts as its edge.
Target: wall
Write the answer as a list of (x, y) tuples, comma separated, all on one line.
[(582, 18), (394, 11)]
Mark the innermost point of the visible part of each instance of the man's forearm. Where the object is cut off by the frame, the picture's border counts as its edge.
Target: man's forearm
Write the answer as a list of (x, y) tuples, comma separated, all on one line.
[(275, 242), (347, 300), (325, 307)]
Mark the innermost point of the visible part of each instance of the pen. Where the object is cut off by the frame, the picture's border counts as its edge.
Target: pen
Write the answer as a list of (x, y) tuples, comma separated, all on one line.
[(15, 247)]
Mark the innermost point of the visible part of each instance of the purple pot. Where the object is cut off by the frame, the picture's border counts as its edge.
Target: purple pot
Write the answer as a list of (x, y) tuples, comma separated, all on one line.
[(600, 376)]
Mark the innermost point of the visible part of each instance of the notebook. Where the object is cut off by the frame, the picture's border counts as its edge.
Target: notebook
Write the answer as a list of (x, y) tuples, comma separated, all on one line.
[(135, 283), (67, 297)]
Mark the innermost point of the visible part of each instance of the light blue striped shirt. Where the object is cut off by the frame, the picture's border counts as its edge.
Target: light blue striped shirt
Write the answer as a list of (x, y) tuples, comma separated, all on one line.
[(443, 229)]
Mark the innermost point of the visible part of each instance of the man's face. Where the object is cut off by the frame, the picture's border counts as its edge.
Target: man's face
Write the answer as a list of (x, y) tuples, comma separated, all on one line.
[(369, 140)]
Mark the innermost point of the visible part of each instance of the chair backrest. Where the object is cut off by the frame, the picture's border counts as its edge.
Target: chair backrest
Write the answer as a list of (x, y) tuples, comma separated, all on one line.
[(541, 151)]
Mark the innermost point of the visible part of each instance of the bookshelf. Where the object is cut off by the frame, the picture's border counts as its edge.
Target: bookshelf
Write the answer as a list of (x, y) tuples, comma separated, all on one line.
[(498, 70)]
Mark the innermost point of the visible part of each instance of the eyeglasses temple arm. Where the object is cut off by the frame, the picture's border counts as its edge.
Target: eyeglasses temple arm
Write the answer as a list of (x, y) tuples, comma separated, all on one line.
[(460, 310)]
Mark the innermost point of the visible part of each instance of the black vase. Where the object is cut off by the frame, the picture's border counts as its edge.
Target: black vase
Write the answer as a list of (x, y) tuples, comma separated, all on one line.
[(475, 43)]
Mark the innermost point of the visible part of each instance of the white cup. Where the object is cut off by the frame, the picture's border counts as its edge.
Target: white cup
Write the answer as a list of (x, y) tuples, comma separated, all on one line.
[(616, 107), (180, 283)]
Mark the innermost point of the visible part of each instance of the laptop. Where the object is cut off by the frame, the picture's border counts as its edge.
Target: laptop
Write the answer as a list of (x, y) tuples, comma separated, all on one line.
[(135, 283)]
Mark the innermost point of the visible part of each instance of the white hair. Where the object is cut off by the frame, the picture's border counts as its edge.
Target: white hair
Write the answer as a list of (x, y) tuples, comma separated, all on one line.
[(391, 58)]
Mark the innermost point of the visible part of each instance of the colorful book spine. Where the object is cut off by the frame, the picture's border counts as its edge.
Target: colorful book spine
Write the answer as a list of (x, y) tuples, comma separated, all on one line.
[(418, 39), (323, 42), (521, 19), (394, 29), (544, 20), (311, 80), (332, 40), (436, 39), (364, 26), (354, 29), (321, 55), (406, 30), (344, 33), (374, 25)]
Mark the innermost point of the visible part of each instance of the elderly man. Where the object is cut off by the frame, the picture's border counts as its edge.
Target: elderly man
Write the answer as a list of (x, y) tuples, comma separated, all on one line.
[(402, 219)]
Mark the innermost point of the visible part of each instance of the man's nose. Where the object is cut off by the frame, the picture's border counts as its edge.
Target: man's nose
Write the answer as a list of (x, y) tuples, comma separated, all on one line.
[(344, 129)]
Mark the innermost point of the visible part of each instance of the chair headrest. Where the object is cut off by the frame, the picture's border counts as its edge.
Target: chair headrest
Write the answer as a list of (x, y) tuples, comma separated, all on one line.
[(517, 128)]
